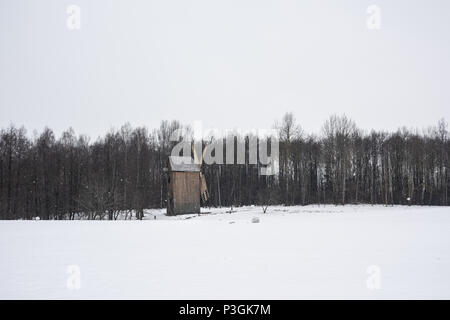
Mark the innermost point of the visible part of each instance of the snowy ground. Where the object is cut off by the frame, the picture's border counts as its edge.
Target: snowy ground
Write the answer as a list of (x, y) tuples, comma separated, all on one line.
[(293, 253)]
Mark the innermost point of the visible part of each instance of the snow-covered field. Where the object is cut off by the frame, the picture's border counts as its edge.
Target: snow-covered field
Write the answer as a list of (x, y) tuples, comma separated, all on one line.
[(362, 252)]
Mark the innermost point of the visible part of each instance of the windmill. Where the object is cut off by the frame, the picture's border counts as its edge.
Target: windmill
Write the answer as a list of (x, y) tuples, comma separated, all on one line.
[(186, 184), (203, 188)]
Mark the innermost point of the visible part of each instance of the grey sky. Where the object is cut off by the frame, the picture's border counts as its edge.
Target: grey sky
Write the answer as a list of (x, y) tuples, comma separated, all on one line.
[(228, 63)]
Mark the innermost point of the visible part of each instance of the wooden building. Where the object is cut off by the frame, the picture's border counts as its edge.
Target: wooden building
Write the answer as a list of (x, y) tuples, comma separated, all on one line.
[(183, 186)]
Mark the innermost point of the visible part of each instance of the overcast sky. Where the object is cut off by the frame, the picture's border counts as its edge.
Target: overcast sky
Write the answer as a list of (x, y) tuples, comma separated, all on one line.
[(227, 63)]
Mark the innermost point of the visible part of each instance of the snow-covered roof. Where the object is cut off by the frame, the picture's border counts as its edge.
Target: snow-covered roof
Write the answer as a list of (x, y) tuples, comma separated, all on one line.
[(185, 164)]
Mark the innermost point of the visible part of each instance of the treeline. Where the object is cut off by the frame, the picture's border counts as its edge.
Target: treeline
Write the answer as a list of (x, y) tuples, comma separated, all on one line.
[(122, 173)]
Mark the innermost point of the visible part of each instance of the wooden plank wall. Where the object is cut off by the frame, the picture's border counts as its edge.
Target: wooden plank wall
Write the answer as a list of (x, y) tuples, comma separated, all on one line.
[(184, 188)]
